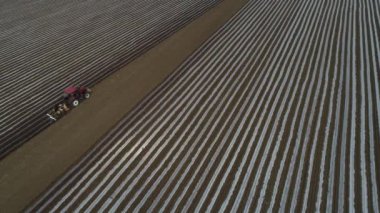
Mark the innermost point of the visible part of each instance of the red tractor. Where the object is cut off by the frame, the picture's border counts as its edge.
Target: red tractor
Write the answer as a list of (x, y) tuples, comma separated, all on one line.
[(73, 95), (71, 98)]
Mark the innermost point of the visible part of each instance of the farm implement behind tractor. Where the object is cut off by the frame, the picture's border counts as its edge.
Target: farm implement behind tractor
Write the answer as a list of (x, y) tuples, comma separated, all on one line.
[(72, 96)]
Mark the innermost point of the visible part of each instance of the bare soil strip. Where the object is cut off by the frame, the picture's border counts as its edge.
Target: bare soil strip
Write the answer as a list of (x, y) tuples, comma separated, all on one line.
[(29, 170), (278, 111)]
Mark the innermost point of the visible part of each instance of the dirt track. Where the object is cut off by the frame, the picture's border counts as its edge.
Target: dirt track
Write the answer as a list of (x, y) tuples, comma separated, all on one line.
[(278, 111), (28, 171)]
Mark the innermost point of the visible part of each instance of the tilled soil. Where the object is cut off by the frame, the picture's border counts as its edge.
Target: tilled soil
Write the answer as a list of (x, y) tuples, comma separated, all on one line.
[(278, 111), (49, 45)]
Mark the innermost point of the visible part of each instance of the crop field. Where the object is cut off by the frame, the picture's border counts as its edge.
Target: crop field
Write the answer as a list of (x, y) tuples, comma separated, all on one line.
[(49, 45), (279, 110)]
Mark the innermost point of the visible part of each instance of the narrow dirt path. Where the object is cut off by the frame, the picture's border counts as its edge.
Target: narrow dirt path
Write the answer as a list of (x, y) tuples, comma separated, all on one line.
[(30, 169)]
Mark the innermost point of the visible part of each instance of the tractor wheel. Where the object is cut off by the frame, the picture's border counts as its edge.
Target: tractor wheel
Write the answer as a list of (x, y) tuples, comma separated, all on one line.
[(75, 103), (87, 95)]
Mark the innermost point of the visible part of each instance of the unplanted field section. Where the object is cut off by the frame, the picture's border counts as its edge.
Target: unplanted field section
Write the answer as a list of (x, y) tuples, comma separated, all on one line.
[(278, 111), (46, 46)]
